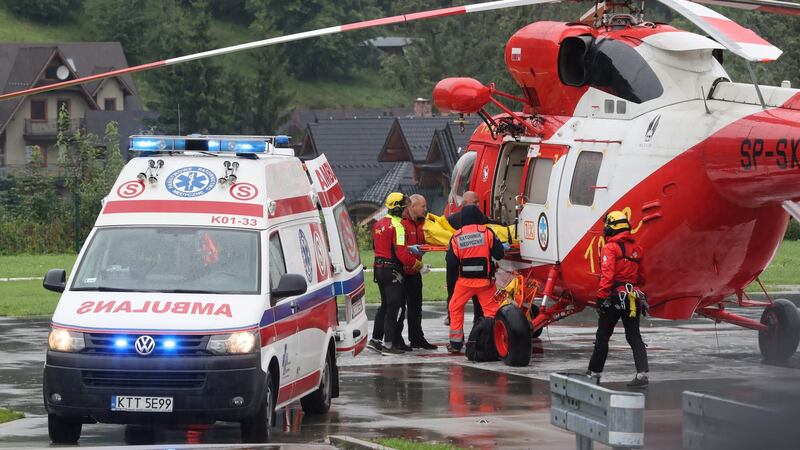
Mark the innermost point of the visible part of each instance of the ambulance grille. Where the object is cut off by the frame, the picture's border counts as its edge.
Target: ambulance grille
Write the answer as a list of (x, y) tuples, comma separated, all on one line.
[(143, 379), (185, 345)]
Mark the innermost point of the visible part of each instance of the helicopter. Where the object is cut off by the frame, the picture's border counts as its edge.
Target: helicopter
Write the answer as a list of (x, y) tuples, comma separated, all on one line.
[(624, 114), (620, 113)]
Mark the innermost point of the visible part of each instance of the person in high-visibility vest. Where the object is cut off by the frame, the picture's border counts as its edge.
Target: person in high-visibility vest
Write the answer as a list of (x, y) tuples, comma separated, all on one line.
[(469, 198), (391, 255), (470, 254), (620, 296)]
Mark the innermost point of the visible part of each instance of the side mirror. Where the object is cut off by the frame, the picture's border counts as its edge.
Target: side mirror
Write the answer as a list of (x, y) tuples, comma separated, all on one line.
[(289, 284), (55, 280)]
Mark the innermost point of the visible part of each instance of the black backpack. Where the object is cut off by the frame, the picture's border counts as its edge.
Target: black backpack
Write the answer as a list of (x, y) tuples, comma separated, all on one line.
[(480, 344)]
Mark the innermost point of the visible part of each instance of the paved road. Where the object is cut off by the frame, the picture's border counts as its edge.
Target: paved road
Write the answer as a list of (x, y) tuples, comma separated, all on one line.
[(438, 397)]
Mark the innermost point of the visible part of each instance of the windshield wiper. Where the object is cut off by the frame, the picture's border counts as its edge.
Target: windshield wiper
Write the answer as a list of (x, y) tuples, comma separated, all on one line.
[(186, 291), (103, 289)]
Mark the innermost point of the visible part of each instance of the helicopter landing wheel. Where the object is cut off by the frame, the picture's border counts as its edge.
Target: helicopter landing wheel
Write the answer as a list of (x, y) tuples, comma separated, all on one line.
[(779, 342), (512, 336)]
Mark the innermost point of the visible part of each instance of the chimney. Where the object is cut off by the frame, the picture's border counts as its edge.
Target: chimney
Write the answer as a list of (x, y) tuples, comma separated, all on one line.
[(422, 108)]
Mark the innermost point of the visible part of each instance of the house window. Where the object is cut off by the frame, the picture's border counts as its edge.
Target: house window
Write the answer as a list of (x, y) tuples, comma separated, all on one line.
[(110, 104), (584, 180), (39, 110), (65, 104)]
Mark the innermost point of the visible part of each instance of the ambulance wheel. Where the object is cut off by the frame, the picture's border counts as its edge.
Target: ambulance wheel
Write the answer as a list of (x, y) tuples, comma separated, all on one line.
[(779, 341), (64, 430), (512, 336), (319, 401), (257, 429)]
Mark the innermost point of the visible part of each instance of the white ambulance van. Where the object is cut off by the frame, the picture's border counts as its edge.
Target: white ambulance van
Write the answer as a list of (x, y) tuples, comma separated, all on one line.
[(206, 291)]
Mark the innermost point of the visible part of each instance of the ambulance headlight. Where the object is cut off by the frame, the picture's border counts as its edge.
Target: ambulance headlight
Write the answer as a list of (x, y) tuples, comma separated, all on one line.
[(234, 343), (61, 340)]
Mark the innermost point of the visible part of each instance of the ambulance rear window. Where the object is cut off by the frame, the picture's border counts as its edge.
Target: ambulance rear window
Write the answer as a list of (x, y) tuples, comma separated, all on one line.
[(171, 259)]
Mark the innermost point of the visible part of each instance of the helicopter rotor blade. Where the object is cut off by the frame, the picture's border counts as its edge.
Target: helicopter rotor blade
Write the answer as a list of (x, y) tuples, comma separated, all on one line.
[(742, 41), (771, 6), (403, 18)]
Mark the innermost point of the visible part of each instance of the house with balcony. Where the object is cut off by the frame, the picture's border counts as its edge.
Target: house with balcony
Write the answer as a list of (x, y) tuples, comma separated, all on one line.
[(32, 121)]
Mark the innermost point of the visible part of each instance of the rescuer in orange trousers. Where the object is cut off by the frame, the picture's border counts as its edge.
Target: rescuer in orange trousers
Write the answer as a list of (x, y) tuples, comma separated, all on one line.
[(470, 254)]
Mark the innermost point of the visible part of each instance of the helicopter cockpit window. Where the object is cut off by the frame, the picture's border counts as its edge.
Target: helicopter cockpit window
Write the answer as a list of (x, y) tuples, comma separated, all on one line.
[(462, 176), (618, 69), (584, 180)]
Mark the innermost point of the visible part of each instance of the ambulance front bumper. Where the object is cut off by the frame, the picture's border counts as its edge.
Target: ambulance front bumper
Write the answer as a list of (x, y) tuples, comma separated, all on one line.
[(203, 388)]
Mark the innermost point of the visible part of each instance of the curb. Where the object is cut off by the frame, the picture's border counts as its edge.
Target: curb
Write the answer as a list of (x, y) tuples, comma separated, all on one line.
[(351, 442)]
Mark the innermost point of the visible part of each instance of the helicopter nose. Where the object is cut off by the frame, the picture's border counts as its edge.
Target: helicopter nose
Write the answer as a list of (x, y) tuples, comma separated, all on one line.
[(757, 162)]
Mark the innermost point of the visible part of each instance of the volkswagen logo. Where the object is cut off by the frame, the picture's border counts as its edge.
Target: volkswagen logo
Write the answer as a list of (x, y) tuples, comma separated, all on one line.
[(144, 345)]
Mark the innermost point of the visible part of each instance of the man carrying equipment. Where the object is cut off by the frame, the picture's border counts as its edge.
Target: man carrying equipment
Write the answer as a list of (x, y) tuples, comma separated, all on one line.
[(470, 255), (620, 296)]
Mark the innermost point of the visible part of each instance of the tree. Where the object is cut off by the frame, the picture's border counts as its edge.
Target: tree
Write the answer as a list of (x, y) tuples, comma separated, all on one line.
[(327, 55), (265, 99), (44, 11), (123, 21), (189, 96)]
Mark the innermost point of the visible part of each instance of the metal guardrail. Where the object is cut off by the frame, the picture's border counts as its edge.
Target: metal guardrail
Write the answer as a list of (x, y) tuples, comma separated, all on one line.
[(711, 422), (595, 413)]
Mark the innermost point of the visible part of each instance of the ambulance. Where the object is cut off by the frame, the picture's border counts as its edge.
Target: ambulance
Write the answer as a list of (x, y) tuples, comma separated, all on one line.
[(222, 280)]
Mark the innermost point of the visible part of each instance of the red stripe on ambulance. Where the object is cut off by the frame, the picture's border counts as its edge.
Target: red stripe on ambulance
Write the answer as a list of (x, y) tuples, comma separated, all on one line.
[(183, 207)]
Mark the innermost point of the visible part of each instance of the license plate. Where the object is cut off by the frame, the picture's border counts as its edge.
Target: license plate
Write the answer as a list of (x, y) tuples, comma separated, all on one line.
[(358, 307), (141, 404)]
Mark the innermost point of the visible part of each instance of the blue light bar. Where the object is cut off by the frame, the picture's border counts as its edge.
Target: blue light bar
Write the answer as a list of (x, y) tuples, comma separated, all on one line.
[(202, 143), (120, 343), (281, 141), (244, 146), (156, 143), (169, 343)]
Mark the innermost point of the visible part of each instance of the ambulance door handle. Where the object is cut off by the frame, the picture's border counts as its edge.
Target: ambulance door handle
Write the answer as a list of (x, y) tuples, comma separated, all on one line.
[(293, 305)]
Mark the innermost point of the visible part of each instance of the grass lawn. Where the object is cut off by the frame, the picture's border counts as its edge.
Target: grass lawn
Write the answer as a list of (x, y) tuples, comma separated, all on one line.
[(407, 444), (27, 298), (7, 415)]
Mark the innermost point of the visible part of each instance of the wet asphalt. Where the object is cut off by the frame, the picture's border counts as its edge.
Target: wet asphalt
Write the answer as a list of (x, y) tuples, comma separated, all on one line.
[(435, 396)]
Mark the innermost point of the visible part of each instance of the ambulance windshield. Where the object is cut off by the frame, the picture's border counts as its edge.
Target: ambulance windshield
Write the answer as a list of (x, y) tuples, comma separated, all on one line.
[(171, 259)]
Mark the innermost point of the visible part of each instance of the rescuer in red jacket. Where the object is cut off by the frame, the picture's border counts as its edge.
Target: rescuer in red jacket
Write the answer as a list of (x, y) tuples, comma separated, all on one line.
[(470, 255), (413, 222), (620, 295), (391, 255)]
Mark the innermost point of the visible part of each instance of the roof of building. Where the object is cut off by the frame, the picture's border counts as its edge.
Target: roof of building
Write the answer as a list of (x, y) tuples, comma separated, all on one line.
[(301, 117), (129, 123), (410, 138), (23, 65), (352, 148), (398, 175)]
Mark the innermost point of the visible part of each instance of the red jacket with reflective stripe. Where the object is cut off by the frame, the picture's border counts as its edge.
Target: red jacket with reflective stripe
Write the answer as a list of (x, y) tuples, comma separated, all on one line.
[(389, 242), (415, 235), (615, 268)]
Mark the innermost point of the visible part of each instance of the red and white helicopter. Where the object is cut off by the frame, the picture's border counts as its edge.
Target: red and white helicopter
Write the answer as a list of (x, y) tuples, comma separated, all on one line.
[(619, 113)]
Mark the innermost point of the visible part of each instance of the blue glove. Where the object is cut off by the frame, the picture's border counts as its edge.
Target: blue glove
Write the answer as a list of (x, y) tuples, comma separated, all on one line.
[(506, 247), (415, 250)]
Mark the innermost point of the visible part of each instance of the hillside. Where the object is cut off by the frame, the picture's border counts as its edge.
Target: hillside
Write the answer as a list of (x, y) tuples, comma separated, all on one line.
[(362, 90)]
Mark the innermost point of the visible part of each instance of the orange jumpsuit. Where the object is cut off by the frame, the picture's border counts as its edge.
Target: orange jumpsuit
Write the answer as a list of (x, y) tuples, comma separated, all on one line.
[(472, 249)]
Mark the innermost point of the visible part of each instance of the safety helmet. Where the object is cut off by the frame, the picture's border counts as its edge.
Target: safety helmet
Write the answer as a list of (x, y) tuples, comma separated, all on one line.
[(616, 222), (395, 200)]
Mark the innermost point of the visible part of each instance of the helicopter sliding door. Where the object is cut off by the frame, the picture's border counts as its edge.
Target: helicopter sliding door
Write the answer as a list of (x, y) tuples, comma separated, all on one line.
[(540, 186)]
